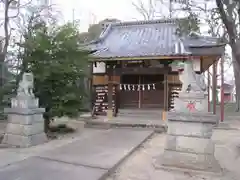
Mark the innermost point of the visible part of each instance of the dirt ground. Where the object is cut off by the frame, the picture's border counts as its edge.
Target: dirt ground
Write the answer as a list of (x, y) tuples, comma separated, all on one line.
[(140, 165)]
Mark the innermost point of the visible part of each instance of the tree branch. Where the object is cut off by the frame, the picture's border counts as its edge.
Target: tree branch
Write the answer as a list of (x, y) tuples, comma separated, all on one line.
[(228, 23)]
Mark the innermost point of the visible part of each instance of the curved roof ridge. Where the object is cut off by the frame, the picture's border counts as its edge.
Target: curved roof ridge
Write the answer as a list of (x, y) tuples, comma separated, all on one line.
[(156, 21)]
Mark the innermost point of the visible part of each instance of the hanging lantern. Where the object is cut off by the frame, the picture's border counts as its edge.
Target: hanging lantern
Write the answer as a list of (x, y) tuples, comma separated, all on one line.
[(120, 86), (138, 87), (143, 88), (124, 86), (129, 87)]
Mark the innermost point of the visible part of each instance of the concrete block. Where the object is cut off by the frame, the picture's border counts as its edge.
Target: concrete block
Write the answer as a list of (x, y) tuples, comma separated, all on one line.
[(192, 129), (193, 117), (24, 102), (35, 168), (24, 141), (23, 111), (25, 130), (192, 95), (202, 162), (189, 145), (25, 119)]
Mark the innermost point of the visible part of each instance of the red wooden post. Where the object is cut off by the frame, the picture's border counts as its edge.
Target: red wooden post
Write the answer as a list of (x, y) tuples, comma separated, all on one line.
[(222, 90)]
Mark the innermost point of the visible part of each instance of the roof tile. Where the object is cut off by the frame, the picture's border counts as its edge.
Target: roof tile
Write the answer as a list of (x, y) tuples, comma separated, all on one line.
[(145, 38)]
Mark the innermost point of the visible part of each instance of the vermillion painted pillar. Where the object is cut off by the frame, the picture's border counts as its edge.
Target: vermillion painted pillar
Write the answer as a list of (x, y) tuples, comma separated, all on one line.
[(110, 91), (209, 85), (222, 89), (214, 86)]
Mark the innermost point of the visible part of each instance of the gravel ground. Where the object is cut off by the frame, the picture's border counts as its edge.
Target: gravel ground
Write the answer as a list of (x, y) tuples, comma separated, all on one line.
[(140, 165)]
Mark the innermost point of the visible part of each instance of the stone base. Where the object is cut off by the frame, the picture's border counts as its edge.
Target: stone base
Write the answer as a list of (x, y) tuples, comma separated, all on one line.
[(25, 129), (188, 144), (188, 162), (24, 141), (25, 126), (197, 99)]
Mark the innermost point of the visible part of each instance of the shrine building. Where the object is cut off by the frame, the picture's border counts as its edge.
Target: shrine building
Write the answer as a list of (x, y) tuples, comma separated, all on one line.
[(134, 64)]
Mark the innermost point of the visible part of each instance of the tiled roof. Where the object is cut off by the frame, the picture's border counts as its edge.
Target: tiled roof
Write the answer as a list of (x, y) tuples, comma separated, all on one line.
[(146, 38)]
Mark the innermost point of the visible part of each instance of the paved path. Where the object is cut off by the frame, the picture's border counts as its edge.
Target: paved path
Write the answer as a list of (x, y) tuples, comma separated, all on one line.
[(88, 157)]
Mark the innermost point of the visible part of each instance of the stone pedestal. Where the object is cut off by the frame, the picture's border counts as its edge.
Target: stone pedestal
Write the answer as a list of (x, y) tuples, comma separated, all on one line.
[(198, 99), (25, 126), (188, 142)]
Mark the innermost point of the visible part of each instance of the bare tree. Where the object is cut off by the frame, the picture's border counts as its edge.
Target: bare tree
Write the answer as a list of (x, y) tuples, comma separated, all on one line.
[(229, 13), (149, 9)]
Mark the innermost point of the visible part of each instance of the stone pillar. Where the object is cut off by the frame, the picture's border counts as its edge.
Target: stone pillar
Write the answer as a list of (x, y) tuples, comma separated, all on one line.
[(25, 126), (188, 142)]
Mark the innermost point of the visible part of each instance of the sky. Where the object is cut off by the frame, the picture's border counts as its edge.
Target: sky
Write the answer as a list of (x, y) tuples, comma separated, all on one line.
[(92, 11)]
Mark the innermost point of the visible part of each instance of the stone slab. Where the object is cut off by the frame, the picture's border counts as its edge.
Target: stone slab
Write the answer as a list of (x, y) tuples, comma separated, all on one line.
[(24, 141), (190, 161), (25, 119), (189, 144), (7, 157), (24, 111), (25, 130), (193, 117), (24, 102), (198, 105), (102, 151), (40, 169), (192, 129), (192, 95)]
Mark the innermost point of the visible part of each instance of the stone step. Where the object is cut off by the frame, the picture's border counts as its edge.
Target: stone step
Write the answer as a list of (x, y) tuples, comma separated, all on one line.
[(140, 113), (141, 116), (106, 125)]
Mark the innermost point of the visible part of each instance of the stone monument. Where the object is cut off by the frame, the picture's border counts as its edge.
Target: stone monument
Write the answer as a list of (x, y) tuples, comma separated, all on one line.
[(25, 126), (188, 143)]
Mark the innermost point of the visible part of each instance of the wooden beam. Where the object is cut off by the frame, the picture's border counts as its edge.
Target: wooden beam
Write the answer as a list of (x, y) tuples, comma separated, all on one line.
[(141, 70), (149, 58), (139, 58)]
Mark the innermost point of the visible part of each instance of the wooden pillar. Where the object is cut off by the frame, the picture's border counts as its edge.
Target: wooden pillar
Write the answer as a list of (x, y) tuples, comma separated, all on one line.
[(214, 86), (110, 91), (139, 93), (222, 89), (165, 110), (209, 87), (91, 87)]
